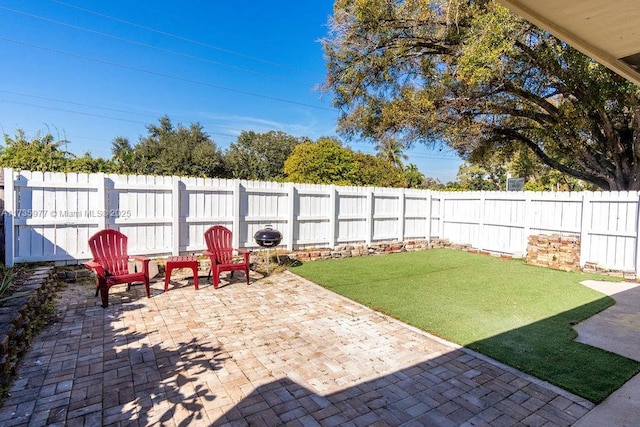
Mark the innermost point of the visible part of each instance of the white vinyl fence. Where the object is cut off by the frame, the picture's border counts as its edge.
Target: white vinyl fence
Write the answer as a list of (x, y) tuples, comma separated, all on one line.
[(50, 216)]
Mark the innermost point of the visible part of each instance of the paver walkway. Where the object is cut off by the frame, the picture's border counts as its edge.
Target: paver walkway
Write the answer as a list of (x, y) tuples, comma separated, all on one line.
[(281, 351)]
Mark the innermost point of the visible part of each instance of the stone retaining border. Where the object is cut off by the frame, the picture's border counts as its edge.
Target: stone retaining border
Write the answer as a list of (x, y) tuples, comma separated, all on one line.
[(21, 319), (285, 257)]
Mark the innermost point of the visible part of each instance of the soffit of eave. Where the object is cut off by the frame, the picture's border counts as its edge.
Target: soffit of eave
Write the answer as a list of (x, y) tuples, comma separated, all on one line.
[(606, 30)]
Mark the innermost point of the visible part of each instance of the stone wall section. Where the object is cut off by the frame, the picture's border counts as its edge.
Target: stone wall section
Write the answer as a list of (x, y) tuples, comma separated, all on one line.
[(557, 251)]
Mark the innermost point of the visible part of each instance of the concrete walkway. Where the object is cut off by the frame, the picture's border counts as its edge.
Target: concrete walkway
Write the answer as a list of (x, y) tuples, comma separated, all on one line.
[(282, 351), (616, 329)]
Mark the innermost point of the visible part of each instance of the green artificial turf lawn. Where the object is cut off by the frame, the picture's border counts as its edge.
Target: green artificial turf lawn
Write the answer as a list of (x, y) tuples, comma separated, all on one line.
[(515, 313)]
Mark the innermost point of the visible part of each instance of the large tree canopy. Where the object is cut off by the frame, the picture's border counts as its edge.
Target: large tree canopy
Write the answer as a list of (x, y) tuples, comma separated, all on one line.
[(475, 76), (169, 150), (328, 162), (260, 156)]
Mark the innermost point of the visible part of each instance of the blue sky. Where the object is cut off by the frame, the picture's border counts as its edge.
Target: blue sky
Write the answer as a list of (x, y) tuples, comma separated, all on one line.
[(90, 71)]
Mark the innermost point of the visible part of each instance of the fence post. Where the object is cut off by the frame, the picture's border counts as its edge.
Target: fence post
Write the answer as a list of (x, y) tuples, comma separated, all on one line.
[(175, 217), (428, 213), (526, 227), (2, 222), (441, 215), (584, 227), (333, 215), (369, 219), (101, 191), (9, 206), (482, 235), (291, 221), (637, 260), (401, 212), (237, 196)]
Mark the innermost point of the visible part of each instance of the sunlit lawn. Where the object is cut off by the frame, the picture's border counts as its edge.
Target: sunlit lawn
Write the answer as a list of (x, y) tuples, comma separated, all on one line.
[(518, 314)]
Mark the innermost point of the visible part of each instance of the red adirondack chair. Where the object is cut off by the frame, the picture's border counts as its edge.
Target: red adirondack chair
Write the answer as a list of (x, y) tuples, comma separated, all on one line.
[(111, 263), (220, 252)]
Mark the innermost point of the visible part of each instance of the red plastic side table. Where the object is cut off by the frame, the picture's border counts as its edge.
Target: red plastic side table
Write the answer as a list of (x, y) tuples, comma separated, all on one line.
[(181, 262)]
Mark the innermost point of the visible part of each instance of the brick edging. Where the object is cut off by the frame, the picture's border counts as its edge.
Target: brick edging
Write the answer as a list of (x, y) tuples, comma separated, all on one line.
[(21, 319)]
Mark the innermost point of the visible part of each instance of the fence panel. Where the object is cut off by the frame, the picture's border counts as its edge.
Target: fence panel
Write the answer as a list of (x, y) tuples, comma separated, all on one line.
[(141, 207), (49, 221), (503, 219), (556, 213), (262, 204), (203, 203), (387, 205), (313, 214), (610, 235), (417, 218), (353, 211), (461, 217)]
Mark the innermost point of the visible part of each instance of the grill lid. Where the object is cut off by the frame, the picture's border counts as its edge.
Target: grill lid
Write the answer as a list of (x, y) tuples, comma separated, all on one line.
[(267, 237)]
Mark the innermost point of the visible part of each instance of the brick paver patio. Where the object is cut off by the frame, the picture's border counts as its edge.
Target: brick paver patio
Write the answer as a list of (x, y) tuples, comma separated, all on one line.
[(281, 351)]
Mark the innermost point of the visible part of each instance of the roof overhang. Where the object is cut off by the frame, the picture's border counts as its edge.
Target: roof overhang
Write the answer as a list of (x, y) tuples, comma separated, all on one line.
[(607, 31)]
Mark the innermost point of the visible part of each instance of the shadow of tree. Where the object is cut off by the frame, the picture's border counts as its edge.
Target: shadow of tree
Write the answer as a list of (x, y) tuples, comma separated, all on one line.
[(91, 366), (454, 389), (167, 391), (460, 387), (154, 387), (544, 348)]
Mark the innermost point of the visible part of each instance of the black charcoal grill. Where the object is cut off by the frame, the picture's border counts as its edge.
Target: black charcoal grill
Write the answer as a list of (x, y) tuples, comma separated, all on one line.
[(268, 238)]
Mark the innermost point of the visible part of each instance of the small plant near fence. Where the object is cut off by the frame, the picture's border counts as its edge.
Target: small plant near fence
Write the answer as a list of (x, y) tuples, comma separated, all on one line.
[(6, 280), (10, 280)]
